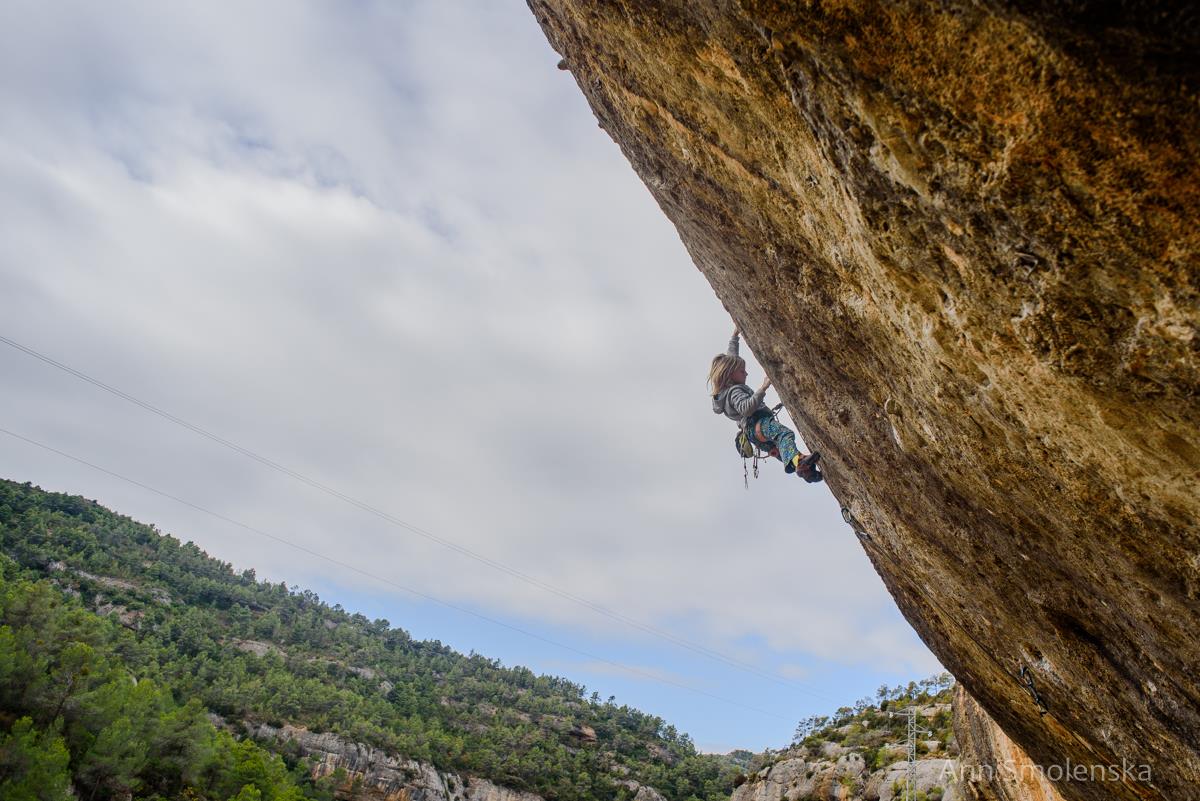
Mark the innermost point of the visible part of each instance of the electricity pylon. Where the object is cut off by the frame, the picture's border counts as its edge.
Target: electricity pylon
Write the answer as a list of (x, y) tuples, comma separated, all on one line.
[(911, 712)]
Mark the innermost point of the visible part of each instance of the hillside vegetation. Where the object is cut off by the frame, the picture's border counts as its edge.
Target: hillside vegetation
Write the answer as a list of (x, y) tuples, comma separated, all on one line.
[(877, 727), (117, 642), (860, 753)]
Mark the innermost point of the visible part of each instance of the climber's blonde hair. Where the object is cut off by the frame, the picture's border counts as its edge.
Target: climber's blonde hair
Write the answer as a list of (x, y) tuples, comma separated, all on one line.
[(723, 366)]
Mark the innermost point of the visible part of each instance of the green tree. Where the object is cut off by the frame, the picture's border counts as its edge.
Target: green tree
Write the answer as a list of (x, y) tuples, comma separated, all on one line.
[(34, 765)]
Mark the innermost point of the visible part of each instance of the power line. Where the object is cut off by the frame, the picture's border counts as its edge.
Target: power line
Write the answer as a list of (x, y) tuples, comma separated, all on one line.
[(395, 521), (260, 532)]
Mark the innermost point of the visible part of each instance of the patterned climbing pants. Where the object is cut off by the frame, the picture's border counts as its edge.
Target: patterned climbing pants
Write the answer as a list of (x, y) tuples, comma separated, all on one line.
[(777, 434)]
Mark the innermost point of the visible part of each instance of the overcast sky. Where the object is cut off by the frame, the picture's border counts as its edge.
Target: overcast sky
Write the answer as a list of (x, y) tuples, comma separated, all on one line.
[(386, 244)]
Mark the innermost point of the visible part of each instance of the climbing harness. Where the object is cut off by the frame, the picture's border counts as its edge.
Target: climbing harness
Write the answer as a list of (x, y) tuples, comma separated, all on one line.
[(1023, 677), (749, 448)]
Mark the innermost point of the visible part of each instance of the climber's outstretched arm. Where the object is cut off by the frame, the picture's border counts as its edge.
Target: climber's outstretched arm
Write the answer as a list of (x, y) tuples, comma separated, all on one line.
[(733, 341)]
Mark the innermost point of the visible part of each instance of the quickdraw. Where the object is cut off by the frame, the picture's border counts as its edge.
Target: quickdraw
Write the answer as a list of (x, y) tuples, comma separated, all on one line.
[(1025, 678), (852, 521)]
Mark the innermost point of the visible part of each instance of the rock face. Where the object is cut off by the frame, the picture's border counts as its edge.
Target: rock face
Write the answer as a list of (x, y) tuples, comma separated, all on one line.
[(929, 776), (256, 647), (641, 792), (376, 775), (847, 779), (962, 238), (991, 766)]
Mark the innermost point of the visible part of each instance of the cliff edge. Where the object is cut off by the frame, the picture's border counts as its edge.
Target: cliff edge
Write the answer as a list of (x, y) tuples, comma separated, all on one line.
[(962, 238), (991, 767)]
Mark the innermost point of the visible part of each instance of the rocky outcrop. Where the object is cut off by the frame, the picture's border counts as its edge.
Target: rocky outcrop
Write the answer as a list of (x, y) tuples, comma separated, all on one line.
[(155, 594), (129, 618), (991, 766), (379, 776), (799, 777), (583, 733), (641, 792), (371, 774), (256, 647), (932, 778), (962, 238)]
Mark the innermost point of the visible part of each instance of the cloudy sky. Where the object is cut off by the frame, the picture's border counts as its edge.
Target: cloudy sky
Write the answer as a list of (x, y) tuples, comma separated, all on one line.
[(386, 245)]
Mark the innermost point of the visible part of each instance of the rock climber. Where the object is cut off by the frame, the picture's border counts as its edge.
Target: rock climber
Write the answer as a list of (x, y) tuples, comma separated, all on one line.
[(734, 399)]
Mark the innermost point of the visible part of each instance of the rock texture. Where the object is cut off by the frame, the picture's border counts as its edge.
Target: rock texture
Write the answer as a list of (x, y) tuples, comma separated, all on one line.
[(991, 766), (962, 238), (379, 776), (796, 778)]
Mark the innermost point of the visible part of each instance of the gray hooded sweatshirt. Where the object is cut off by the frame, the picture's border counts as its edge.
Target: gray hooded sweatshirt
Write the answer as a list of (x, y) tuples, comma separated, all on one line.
[(737, 402)]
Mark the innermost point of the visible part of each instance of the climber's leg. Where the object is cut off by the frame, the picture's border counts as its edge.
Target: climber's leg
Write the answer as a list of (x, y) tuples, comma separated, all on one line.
[(783, 438)]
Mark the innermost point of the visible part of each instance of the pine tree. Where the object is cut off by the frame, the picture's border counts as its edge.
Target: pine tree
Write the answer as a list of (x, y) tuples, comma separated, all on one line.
[(34, 765)]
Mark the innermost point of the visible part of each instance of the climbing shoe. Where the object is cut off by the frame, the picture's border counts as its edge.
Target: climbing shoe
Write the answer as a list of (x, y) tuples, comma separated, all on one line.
[(799, 461), (806, 467)]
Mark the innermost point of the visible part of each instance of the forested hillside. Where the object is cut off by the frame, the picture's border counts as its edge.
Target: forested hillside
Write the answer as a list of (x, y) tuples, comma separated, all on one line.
[(119, 646)]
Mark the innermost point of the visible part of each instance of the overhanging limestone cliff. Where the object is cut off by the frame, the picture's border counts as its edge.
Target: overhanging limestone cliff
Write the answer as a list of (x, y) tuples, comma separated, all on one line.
[(962, 238), (991, 767)]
